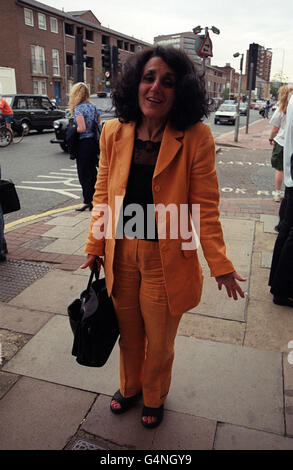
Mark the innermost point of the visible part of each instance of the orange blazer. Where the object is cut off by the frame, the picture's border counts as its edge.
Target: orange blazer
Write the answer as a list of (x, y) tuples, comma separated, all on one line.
[(184, 174)]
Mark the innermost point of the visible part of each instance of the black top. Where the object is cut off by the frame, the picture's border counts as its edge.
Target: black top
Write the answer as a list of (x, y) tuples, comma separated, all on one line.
[(139, 220)]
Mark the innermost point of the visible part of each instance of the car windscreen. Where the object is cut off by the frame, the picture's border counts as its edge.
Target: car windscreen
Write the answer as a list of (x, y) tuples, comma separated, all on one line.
[(231, 109)]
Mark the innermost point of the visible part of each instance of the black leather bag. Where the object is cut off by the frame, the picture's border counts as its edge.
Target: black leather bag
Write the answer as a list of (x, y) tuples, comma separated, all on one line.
[(8, 197), (71, 139), (94, 324)]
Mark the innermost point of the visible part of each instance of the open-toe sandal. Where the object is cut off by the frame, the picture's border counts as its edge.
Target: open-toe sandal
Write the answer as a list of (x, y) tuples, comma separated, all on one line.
[(125, 403), (154, 413)]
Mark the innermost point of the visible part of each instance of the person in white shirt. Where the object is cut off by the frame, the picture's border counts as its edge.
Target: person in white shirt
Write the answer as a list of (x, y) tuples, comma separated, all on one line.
[(281, 274), (276, 139)]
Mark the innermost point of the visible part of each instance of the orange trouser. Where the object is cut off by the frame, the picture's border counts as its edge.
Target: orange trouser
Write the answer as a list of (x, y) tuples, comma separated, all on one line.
[(147, 329)]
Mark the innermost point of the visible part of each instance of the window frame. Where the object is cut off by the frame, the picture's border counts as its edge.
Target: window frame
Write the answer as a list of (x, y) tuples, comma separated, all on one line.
[(58, 61), (57, 27), (42, 15), (25, 17)]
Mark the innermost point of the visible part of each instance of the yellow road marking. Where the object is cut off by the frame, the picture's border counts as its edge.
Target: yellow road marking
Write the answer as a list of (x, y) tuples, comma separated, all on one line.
[(39, 216)]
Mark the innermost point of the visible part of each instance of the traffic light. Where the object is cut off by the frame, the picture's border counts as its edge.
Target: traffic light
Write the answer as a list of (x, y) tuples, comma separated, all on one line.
[(252, 65), (80, 56), (115, 60), (106, 58)]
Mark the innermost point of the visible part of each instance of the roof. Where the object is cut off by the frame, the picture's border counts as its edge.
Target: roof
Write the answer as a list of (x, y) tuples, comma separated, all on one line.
[(69, 16)]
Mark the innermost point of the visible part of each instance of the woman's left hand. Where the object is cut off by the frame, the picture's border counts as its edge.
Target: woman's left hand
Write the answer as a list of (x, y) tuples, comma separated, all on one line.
[(230, 282)]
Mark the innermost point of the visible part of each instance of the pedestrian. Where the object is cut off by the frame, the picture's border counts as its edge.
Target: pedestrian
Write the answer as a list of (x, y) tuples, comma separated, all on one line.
[(87, 117), (267, 109), (3, 246), (278, 120), (6, 111), (157, 157), (281, 274)]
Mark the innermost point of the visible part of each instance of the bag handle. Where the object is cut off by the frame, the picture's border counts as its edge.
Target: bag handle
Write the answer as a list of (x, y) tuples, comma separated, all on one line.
[(94, 272)]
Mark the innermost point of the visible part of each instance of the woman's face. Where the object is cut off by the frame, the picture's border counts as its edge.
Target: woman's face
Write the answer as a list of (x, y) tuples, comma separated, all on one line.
[(156, 91)]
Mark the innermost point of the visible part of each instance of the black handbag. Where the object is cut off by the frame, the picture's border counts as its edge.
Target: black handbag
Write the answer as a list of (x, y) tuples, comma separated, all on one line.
[(94, 324), (8, 197), (71, 139)]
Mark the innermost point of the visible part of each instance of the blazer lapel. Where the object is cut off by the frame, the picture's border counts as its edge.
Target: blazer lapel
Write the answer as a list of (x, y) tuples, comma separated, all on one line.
[(170, 146), (123, 149)]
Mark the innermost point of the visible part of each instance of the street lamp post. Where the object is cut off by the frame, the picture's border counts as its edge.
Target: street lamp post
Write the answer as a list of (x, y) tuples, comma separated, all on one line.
[(237, 54)]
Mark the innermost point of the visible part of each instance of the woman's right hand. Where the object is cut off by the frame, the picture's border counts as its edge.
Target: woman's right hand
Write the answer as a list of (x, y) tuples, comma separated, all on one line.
[(90, 260)]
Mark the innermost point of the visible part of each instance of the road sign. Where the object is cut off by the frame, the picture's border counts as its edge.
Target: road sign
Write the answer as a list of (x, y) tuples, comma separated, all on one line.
[(206, 49)]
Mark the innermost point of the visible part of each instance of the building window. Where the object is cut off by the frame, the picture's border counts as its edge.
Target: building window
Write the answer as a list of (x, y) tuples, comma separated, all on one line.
[(42, 21), (89, 35), (119, 44), (39, 65), (55, 62), (40, 87), (28, 17), (89, 62), (54, 25), (132, 48), (69, 29)]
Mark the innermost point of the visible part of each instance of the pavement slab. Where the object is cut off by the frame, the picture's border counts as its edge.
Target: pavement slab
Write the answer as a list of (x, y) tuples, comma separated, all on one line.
[(188, 432), (53, 293), (230, 437), (288, 389), (6, 382), (48, 357), (50, 415), (228, 383), (212, 380), (212, 329), (239, 236), (21, 319), (269, 326)]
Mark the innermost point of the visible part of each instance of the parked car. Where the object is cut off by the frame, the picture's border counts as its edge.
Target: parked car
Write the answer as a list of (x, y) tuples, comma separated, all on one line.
[(243, 109), (34, 111), (229, 102), (216, 103), (226, 113), (104, 104)]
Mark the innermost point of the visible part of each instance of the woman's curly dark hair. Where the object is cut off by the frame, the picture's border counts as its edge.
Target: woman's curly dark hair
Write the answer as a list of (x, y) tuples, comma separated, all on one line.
[(191, 102)]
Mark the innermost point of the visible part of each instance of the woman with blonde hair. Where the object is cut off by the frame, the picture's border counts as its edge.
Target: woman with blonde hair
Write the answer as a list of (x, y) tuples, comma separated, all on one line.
[(86, 117), (276, 138)]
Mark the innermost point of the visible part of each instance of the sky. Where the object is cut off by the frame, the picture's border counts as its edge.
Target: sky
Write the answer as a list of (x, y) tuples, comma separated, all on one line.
[(265, 22)]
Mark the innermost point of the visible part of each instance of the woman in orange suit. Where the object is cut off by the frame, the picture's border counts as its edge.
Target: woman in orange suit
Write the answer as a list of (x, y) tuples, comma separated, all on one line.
[(157, 167)]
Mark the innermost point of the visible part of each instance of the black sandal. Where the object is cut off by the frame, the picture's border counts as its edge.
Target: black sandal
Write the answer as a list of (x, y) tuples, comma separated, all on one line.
[(125, 403), (155, 413)]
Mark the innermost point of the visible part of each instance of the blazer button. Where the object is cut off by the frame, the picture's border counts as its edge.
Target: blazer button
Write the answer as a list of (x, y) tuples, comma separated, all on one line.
[(157, 188)]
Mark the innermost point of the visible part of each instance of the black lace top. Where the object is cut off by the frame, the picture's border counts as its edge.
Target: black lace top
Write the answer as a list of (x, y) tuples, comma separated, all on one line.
[(139, 219)]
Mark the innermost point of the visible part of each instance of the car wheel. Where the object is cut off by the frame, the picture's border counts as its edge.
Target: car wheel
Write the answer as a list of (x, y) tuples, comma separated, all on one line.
[(64, 147), (26, 127)]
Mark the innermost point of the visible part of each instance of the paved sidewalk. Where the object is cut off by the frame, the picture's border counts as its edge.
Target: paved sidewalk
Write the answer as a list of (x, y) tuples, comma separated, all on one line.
[(232, 383), (256, 138)]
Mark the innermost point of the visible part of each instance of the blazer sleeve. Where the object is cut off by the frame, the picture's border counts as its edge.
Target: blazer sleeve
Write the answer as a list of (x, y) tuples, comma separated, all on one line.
[(95, 244), (204, 191)]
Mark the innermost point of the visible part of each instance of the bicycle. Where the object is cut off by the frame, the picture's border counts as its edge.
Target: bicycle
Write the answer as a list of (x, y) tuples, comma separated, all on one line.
[(5, 133), (18, 131)]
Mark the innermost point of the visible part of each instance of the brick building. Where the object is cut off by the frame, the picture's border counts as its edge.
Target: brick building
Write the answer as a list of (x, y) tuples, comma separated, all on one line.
[(38, 41)]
